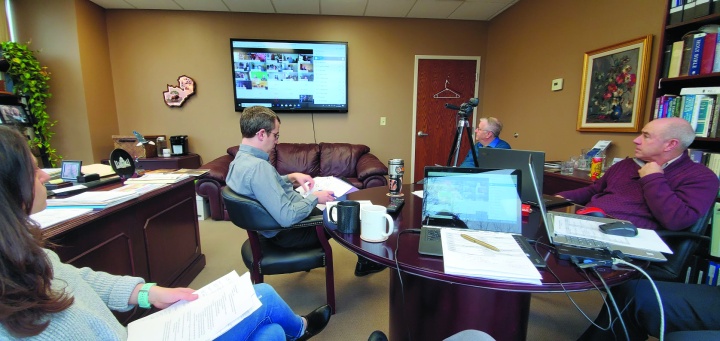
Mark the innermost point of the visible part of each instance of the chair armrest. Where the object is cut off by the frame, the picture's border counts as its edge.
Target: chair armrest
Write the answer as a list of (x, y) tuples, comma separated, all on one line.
[(369, 165), (666, 234)]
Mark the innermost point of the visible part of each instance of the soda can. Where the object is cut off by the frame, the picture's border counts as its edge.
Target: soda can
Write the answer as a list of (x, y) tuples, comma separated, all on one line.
[(396, 169)]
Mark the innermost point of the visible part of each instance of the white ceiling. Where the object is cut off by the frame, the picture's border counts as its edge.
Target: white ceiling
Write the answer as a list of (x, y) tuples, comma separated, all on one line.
[(428, 9)]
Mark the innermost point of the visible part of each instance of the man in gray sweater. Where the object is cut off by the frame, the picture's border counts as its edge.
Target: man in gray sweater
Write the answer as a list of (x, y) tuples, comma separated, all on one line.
[(251, 175)]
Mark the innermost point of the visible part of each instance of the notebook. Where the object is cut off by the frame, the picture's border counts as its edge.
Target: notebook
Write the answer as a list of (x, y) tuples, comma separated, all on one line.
[(475, 198), (517, 159), (600, 240)]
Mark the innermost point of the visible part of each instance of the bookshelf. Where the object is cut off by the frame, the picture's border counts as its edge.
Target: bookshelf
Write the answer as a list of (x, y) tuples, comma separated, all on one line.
[(672, 86)]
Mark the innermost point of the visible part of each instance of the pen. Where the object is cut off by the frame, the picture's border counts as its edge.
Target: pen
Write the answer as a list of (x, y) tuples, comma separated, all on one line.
[(479, 242)]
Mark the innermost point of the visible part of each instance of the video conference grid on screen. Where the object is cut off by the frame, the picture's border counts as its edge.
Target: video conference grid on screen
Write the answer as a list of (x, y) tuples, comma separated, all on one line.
[(290, 76)]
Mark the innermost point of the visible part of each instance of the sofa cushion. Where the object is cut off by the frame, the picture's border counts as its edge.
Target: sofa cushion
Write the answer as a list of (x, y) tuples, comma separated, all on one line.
[(296, 157), (340, 159)]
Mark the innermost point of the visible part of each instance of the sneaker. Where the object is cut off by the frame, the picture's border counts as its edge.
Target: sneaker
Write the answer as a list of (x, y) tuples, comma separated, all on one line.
[(366, 267)]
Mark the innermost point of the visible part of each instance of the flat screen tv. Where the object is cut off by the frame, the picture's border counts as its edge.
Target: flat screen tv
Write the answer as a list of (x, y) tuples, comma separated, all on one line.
[(290, 76)]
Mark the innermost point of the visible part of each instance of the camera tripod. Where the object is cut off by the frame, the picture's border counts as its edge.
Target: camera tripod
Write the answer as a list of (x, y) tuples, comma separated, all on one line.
[(462, 122)]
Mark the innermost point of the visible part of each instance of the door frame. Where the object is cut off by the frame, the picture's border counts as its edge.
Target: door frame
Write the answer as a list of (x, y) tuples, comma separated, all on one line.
[(415, 89)]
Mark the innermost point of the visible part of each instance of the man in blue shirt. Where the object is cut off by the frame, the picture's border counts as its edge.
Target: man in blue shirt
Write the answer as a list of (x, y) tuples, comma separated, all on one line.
[(487, 135)]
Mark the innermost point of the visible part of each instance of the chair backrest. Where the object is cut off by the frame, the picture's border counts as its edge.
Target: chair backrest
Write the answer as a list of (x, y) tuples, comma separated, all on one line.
[(248, 213), (683, 247)]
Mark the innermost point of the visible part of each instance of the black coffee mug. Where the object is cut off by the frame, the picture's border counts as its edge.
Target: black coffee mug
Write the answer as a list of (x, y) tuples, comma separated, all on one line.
[(348, 216)]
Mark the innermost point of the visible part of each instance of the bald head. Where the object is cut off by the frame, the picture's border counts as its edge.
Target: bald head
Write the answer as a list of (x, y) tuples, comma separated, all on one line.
[(663, 139)]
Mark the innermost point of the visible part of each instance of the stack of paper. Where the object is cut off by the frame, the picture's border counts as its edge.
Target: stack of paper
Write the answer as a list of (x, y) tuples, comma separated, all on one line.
[(464, 257), (139, 188), (166, 178), (221, 305), (328, 183), (94, 200), (49, 218)]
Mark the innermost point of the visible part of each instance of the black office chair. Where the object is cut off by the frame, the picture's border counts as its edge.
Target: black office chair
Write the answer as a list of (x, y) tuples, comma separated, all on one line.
[(684, 245), (265, 258)]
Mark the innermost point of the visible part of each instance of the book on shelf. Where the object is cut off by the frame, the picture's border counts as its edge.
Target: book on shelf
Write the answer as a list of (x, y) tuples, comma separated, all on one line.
[(708, 53), (702, 8), (675, 59), (687, 52), (698, 43)]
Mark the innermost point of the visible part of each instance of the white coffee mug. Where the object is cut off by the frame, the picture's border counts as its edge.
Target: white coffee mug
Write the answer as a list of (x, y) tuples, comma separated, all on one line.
[(373, 227)]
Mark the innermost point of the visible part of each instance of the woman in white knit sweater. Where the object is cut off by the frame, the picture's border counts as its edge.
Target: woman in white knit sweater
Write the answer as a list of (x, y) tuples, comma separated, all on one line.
[(42, 298)]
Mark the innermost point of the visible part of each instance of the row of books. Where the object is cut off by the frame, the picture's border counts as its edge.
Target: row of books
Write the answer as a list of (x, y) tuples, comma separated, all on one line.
[(708, 158), (699, 106), (697, 53)]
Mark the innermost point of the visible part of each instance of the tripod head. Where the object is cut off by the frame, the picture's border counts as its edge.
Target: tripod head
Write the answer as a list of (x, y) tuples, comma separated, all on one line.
[(465, 109)]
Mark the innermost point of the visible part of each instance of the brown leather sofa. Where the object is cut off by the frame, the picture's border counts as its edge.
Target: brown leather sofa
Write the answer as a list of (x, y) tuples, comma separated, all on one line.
[(352, 162)]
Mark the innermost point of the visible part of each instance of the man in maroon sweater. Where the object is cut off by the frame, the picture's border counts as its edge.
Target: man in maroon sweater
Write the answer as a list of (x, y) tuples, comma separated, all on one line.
[(661, 188)]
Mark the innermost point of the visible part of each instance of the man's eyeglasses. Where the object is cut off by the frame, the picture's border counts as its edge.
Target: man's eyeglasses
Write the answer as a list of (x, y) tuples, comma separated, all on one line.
[(277, 135)]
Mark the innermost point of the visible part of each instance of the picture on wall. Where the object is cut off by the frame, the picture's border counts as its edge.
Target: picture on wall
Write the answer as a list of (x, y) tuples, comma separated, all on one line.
[(614, 87)]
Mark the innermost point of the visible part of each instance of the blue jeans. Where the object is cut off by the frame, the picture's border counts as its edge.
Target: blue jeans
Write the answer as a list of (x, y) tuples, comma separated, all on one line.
[(274, 320)]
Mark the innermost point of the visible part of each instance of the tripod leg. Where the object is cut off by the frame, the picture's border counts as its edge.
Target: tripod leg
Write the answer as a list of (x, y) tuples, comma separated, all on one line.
[(455, 146), (472, 147)]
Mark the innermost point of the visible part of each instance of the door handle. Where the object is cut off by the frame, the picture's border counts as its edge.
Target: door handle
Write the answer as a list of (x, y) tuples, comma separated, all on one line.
[(421, 134)]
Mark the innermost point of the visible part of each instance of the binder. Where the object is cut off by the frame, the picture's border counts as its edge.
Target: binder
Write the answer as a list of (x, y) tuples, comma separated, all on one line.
[(676, 12), (702, 8), (689, 10), (715, 234), (715, 6)]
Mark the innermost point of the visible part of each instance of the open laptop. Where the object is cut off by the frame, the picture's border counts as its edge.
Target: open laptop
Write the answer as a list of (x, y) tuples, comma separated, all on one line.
[(604, 243), (475, 198), (517, 159)]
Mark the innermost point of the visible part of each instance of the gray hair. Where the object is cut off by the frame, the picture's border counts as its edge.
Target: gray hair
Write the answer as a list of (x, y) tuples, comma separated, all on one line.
[(680, 130), (494, 125), (255, 118)]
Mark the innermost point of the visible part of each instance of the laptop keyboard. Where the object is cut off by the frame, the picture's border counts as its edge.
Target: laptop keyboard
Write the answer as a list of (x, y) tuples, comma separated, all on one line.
[(590, 243), (432, 234)]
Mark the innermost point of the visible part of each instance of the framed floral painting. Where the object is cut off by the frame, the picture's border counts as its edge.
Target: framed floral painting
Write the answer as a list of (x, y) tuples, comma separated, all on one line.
[(614, 86)]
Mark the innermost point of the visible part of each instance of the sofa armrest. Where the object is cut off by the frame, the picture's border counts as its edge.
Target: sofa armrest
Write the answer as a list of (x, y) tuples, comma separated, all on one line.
[(218, 168), (370, 166)]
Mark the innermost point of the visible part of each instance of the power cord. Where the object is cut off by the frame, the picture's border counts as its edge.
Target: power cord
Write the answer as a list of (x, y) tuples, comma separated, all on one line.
[(661, 333)]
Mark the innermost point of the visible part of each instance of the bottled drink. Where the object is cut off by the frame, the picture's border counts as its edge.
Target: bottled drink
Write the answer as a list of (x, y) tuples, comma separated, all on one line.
[(161, 144)]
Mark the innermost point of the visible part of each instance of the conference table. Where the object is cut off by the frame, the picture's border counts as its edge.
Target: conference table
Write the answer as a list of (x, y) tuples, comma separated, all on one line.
[(428, 304)]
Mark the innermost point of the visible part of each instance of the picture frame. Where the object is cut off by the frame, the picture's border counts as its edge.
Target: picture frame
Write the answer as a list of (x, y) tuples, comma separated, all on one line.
[(70, 170), (614, 87), (14, 115)]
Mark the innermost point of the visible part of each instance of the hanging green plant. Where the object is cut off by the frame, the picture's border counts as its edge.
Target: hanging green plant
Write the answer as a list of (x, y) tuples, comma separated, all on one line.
[(31, 81)]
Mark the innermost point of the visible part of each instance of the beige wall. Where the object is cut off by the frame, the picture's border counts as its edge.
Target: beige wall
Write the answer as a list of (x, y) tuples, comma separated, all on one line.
[(522, 50), (533, 42), (150, 49), (51, 28)]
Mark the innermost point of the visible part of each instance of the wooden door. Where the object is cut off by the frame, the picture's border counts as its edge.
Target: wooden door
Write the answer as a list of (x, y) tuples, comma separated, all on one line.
[(441, 81)]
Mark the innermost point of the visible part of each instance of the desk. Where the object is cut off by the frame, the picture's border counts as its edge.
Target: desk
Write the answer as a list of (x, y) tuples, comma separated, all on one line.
[(190, 161), (155, 237), (437, 305), (556, 182)]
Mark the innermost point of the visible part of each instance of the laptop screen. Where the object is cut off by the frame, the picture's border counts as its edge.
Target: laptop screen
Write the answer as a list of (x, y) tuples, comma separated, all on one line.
[(516, 159), (476, 198)]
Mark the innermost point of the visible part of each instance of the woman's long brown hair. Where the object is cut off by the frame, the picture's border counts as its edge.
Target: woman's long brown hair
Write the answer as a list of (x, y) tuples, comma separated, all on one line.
[(26, 298)]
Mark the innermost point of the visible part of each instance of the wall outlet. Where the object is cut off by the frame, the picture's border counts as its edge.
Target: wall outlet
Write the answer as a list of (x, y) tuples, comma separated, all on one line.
[(383, 120), (557, 84)]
